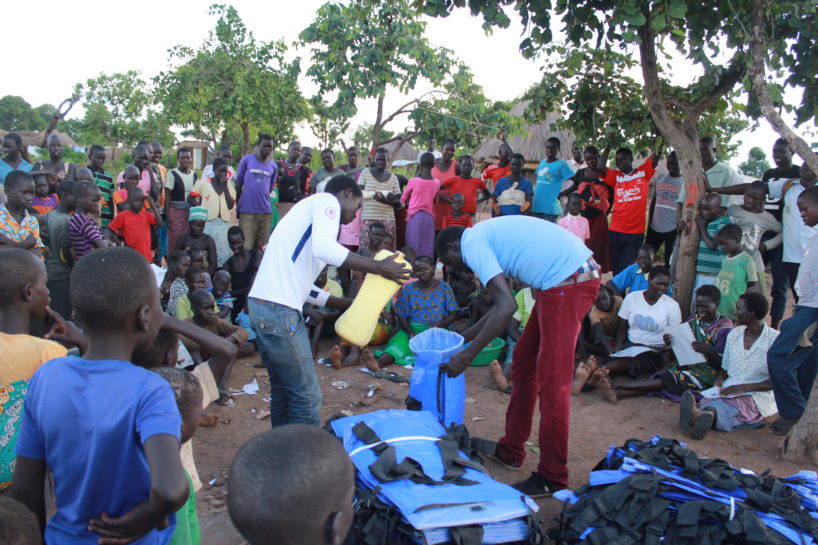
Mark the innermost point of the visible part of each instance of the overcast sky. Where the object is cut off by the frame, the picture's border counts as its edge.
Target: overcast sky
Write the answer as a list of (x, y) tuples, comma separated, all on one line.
[(61, 43)]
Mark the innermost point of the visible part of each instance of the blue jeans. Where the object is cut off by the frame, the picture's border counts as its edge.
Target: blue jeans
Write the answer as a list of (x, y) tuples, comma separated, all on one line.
[(781, 280), (284, 344), (793, 368)]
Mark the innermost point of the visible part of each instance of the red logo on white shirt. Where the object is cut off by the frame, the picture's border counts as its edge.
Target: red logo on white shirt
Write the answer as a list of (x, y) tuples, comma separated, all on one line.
[(330, 212)]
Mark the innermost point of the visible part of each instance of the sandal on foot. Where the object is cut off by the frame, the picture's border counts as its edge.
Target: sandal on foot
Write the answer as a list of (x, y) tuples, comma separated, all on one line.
[(702, 424), (686, 407)]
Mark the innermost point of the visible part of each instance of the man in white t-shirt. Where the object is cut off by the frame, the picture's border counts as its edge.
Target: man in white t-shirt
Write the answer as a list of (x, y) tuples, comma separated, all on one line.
[(301, 245), (225, 153)]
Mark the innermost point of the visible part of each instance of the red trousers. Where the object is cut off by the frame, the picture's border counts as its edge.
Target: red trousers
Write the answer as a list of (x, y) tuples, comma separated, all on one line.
[(543, 367)]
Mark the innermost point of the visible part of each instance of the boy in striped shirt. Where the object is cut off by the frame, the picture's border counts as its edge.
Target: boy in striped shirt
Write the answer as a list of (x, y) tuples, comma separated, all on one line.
[(457, 217), (709, 222), (83, 234)]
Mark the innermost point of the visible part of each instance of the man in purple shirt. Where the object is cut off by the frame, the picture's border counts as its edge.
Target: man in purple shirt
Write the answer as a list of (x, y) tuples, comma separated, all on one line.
[(254, 183)]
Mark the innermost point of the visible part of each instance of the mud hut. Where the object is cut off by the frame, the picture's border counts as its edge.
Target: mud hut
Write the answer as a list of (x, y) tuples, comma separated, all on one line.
[(401, 151), (530, 143), (35, 138)]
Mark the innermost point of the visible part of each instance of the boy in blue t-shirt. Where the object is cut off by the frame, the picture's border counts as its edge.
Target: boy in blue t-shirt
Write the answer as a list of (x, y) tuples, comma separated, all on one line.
[(107, 429), (512, 194), (635, 277)]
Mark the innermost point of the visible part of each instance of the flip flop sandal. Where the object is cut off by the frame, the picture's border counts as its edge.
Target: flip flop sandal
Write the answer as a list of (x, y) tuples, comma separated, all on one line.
[(390, 376)]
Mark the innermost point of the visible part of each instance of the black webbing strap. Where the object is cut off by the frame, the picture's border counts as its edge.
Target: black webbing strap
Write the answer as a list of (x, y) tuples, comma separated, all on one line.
[(368, 437), (467, 535)]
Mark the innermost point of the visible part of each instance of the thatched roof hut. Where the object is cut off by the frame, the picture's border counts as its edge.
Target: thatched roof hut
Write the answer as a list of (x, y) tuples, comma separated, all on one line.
[(35, 138), (407, 152), (531, 144)]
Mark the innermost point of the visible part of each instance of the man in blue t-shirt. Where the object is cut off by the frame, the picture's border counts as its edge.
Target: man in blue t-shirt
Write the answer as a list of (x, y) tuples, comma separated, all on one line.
[(512, 194), (551, 174), (556, 262), (108, 430)]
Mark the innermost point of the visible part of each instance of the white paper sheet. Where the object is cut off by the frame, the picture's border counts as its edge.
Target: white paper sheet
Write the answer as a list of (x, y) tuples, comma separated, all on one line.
[(681, 342), (631, 351)]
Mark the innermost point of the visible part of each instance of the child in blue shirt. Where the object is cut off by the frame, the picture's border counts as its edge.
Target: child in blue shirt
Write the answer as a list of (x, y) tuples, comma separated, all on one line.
[(635, 277), (512, 194), (107, 429)]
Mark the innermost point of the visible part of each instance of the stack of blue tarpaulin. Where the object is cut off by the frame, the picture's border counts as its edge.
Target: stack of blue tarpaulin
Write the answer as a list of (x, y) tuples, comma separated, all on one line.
[(427, 489), (661, 492)]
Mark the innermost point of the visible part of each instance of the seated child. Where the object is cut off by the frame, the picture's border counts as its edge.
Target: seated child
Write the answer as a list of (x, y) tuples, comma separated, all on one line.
[(126, 415), (195, 279), (525, 299), (167, 352), (197, 259), (197, 239), (320, 320), (643, 318), (18, 525), (44, 200), (738, 272), (423, 304), (598, 335), (173, 285), (295, 482), (635, 277), (573, 221), (23, 295), (742, 394), (457, 217), (134, 224), (221, 293), (204, 316), (710, 331)]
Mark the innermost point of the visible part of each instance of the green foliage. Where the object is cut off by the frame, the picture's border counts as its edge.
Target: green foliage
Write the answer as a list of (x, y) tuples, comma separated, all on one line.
[(603, 104), (361, 49), (17, 115), (118, 111), (233, 82), (463, 112), (325, 124), (756, 163)]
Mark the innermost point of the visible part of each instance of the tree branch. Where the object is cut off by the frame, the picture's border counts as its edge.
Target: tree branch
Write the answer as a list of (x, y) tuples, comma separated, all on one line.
[(757, 72), (726, 83), (404, 137)]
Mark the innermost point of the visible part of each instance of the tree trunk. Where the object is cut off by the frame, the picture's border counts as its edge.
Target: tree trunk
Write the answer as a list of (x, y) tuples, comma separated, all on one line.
[(245, 138), (757, 71), (378, 126), (801, 443)]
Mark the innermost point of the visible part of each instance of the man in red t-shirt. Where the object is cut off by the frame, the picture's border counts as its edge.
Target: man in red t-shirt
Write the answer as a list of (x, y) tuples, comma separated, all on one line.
[(134, 224), (467, 186), (631, 187)]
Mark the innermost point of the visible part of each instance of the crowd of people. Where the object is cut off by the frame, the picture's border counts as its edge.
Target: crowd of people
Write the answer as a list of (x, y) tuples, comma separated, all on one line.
[(124, 302)]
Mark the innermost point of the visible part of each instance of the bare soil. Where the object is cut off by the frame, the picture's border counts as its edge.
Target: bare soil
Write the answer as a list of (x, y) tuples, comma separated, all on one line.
[(595, 426)]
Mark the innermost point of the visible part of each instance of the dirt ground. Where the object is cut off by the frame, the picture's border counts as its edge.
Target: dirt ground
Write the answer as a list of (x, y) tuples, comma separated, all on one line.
[(595, 426)]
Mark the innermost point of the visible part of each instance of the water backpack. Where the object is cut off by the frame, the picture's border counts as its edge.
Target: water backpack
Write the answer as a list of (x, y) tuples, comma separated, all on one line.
[(429, 389), (661, 492), (420, 483)]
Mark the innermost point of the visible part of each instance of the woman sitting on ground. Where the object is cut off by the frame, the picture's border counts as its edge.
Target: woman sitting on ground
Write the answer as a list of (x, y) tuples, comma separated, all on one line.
[(421, 305), (710, 330), (643, 318), (742, 395)]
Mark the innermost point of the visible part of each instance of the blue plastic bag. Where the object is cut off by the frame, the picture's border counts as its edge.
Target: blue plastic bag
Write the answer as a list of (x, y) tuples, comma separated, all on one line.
[(431, 389)]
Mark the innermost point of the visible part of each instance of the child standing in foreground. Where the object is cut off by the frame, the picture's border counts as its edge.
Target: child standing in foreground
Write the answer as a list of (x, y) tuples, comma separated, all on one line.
[(573, 221), (126, 478), (458, 215), (738, 270), (44, 201), (135, 223), (194, 391)]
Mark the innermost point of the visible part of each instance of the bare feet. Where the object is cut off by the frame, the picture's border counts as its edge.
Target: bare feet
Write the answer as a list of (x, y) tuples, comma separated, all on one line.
[(335, 356), (208, 420), (496, 374), (605, 385), (369, 361), (582, 373)]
